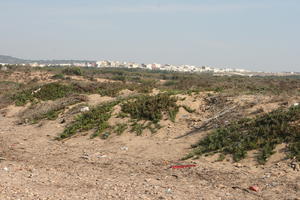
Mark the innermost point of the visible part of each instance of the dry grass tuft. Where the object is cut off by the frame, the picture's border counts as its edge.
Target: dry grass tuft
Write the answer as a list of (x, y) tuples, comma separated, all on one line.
[(49, 109)]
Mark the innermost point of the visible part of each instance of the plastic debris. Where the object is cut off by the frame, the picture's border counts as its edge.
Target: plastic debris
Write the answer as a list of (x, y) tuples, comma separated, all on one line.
[(102, 156), (182, 166), (254, 188), (84, 109)]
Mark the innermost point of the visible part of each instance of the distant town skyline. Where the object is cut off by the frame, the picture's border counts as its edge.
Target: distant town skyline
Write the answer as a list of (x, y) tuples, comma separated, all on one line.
[(258, 35)]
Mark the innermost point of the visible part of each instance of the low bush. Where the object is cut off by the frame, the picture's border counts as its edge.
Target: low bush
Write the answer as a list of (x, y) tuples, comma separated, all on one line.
[(58, 77), (49, 110), (77, 71), (188, 109), (95, 119), (120, 128), (50, 91), (262, 133), (152, 108)]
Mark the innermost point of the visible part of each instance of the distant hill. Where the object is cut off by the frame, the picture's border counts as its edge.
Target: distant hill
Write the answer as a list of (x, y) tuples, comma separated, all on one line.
[(11, 60), (14, 60)]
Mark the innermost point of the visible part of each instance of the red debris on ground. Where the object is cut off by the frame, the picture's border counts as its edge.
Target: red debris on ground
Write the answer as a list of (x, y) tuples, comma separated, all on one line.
[(181, 166), (254, 188)]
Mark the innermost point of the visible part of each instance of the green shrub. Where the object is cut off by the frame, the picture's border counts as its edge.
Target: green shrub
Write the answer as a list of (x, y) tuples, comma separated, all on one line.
[(294, 149), (53, 91), (262, 133), (146, 86), (50, 91), (188, 109), (96, 119), (137, 128), (58, 76), (120, 128), (146, 107), (77, 71), (21, 98), (119, 78)]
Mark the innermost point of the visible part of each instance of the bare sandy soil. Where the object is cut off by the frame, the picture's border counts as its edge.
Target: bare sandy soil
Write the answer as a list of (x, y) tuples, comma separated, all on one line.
[(35, 166)]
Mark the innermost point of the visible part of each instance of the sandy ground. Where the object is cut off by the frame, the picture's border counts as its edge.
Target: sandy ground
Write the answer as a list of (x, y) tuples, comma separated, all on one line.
[(35, 166)]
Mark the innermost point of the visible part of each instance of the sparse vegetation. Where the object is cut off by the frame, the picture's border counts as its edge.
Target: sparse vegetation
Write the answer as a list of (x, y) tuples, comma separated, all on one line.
[(77, 71), (120, 128), (58, 76), (49, 110), (145, 111), (262, 133), (95, 119), (152, 108), (188, 109), (50, 91), (137, 128)]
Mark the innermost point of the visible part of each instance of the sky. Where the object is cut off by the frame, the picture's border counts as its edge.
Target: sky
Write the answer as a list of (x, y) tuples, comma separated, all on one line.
[(259, 35)]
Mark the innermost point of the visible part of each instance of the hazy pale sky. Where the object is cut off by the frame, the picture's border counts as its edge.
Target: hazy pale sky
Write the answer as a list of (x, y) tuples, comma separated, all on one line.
[(252, 34)]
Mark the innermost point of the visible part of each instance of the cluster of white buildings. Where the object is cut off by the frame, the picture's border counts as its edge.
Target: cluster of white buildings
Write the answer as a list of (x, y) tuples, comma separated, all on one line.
[(166, 67), (76, 64), (154, 66)]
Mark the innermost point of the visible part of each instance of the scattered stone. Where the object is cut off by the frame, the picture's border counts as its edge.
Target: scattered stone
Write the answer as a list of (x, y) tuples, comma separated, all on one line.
[(174, 175), (274, 184), (85, 157), (168, 191), (238, 165), (5, 169), (184, 116), (267, 175), (124, 148)]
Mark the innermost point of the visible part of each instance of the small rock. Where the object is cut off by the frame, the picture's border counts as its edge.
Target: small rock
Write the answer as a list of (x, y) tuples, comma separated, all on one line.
[(5, 169), (124, 148), (267, 175), (238, 165), (273, 184), (296, 104), (221, 186), (169, 191), (295, 166)]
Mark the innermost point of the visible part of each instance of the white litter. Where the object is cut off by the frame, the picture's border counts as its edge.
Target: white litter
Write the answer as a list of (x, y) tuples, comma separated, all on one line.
[(84, 109)]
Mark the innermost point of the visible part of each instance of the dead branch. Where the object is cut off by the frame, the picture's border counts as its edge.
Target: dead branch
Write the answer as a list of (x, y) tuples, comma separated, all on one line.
[(208, 122)]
